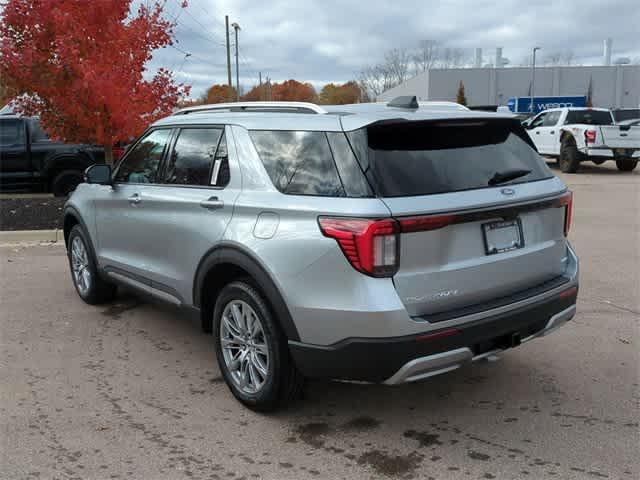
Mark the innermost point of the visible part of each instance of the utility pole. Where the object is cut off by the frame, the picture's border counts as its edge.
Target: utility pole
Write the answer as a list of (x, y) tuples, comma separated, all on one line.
[(236, 27), (533, 79), (260, 85), (226, 22)]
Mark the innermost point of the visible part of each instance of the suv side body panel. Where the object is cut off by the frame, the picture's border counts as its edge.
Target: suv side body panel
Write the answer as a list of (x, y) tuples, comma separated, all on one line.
[(167, 233)]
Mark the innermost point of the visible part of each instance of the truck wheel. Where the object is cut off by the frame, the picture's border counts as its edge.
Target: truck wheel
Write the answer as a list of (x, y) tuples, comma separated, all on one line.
[(626, 164), (66, 182), (570, 157), (253, 355)]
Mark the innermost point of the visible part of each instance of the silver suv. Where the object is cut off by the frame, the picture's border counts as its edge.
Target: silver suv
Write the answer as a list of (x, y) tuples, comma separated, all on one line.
[(383, 243)]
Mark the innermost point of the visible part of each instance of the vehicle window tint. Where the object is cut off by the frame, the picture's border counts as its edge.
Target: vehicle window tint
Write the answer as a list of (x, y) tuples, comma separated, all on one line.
[(299, 163), (11, 132), (551, 119), (589, 117), (626, 114), (141, 163), (423, 158), (354, 182), (38, 135), (193, 156)]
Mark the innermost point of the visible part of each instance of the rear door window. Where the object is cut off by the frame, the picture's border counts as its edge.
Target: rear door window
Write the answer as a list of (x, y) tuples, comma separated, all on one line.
[(193, 156), (38, 135), (299, 163), (402, 158)]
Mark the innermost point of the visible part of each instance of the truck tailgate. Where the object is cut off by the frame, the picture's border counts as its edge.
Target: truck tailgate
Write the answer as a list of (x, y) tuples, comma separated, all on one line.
[(620, 136)]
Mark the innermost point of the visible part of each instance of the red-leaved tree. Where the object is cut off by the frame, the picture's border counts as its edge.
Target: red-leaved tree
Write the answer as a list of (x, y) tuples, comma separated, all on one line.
[(80, 66)]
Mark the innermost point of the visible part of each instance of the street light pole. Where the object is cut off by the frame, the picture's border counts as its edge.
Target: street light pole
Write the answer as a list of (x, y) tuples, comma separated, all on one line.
[(533, 79), (236, 27), (226, 23)]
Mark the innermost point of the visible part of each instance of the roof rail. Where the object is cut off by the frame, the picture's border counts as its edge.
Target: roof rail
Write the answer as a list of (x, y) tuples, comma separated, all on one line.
[(408, 101), (290, 107)]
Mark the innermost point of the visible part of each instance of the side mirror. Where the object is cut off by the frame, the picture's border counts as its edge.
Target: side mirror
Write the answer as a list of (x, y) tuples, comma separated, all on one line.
[(98, 174)]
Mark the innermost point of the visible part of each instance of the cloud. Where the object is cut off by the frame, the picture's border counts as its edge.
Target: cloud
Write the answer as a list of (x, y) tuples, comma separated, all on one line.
[(332, 40)]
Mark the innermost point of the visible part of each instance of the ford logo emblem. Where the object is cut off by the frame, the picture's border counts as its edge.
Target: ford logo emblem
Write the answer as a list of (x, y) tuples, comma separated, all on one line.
[(507, 191)]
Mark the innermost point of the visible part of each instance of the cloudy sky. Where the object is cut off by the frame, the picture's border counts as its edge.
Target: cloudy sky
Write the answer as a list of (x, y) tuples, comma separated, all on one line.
[(332, 40)]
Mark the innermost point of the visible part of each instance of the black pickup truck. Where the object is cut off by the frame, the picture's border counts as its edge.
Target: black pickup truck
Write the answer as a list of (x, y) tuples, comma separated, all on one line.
[(30, 161)]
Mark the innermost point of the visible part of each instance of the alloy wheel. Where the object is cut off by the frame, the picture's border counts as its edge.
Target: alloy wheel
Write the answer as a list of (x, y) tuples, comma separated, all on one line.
[(244, 346), (80, 266)]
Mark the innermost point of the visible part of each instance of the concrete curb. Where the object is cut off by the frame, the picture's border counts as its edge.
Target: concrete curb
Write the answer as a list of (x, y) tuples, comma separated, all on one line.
[(31, 236)]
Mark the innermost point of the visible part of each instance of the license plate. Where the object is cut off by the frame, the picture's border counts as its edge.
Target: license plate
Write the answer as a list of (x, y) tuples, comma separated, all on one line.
[(502, 236), (621, 151)]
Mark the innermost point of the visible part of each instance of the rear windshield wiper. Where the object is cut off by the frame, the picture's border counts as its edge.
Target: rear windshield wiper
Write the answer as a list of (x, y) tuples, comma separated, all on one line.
[(505, 176)]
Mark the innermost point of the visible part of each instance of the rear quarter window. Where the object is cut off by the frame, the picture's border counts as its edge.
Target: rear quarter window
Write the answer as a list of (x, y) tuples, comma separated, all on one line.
[(299, 163)]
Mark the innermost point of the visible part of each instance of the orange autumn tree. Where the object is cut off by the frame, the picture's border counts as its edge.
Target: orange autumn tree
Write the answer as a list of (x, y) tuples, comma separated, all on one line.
[(80, 66), (332, 94), (293, 91), (258, 93), (219, 93)]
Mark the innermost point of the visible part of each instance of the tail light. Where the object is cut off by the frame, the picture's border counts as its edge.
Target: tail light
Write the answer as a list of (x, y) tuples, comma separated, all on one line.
[(370, 245), (590, 136), (566, 201), (425, 223)]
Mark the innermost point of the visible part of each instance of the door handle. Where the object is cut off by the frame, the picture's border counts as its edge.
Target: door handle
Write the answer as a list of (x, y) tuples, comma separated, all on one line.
[(212, 203), (552, 132), (135, 199), (537, 132)]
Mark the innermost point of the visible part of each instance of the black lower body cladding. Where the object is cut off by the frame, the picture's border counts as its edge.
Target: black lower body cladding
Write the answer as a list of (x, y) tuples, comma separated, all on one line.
[(377, 359)]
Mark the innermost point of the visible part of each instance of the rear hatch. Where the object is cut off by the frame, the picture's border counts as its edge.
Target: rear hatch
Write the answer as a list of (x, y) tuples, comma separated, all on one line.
[(467, 241)]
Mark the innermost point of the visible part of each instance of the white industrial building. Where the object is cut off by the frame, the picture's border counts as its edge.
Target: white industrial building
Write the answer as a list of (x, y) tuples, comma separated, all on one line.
[(614, 86)]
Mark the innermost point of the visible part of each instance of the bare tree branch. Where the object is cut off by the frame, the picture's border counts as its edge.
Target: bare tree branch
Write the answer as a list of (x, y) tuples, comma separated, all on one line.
[(453, 57), (426, 56), (396, 63)]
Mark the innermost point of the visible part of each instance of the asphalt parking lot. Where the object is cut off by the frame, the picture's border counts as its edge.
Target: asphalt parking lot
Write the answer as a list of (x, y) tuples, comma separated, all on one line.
[(131, 390)]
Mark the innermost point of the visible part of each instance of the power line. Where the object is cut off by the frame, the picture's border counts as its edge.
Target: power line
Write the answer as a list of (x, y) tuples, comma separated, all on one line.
[(193, 55), (215, 18), (245, 62), (217, 41)]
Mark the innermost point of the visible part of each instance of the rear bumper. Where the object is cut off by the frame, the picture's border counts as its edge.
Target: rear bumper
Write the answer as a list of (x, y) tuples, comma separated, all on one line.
[(408, 358), (608, 153)]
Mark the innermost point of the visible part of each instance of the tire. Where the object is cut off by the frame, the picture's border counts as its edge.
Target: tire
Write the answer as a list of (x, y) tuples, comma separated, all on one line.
[(570, 157), (264, 378), (66, 182), (626, 164), (84, 274)]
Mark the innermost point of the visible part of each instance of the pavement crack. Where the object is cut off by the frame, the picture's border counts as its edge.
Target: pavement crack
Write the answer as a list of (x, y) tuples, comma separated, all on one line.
[(620, 307)]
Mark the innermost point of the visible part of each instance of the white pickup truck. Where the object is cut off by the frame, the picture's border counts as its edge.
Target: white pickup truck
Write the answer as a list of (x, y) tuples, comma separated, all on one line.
[(575, 135)]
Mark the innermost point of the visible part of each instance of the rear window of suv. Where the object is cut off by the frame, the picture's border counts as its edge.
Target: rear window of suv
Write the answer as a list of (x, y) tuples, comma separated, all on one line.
[(409, 158)]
